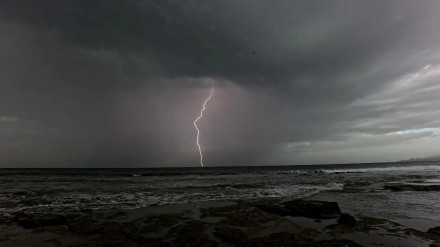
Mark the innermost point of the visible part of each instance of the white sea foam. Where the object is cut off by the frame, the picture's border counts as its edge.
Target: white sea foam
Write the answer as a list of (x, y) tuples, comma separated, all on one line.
[(386, 169), (64, 191)]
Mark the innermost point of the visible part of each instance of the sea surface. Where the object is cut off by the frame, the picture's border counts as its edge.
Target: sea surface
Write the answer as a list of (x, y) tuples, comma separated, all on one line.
[(358, 188)]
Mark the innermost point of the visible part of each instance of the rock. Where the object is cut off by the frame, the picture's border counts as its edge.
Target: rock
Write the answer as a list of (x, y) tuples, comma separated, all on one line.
[(412, 187), (274, 209), (28, 221), (334, 243), (435, 230), (85, 225), (35, 202), (393, 187), (232, 236), (313, 209), (87, 210), (187, 235), (276, 239), (347, 220)]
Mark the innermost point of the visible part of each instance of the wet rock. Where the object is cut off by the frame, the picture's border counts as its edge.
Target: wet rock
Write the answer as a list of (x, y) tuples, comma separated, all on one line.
[(435, 230), (276, 239), (191, 234), (8, 204), (87, 210), (73, 216), (85, 225), (394, 187), (232, 236), (28, 221), (334, 243), (274, 209), (412, 187), (242, 215), (114, 232), (313, 209), (154, 223), (347, 220), (35, 202)]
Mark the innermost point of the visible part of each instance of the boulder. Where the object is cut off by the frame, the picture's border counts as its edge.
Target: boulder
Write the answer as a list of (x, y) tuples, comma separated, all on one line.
[(412, 187), (393, 187), (435, 230), (334, 243), (347, 220), (28, 221), (313, 209), (85, 225), (273, 209)]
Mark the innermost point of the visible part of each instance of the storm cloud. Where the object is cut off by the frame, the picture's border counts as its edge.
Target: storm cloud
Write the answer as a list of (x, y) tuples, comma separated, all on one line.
[(119, 83)]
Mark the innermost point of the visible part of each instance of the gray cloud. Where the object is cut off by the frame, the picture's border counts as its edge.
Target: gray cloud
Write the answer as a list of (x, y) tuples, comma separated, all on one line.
[(111, 82)]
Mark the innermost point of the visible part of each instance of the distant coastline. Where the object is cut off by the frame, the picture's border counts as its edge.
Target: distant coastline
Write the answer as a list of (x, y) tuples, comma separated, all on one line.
[(427, 159)]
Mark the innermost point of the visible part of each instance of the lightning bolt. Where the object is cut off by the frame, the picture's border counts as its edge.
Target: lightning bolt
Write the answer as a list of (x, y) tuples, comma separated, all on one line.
[(198, 118)]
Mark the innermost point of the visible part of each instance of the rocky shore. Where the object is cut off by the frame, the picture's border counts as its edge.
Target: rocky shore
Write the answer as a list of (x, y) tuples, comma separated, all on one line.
[(412, 186), (216, 223)]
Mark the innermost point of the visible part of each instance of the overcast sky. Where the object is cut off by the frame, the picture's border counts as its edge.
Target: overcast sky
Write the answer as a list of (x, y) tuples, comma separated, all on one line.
[(105, 83)]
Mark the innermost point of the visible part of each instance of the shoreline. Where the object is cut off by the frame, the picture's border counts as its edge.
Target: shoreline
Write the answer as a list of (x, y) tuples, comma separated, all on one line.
[(254, 222)]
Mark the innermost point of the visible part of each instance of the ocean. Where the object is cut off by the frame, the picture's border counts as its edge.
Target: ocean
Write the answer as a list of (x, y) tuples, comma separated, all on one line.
[(358, 188)]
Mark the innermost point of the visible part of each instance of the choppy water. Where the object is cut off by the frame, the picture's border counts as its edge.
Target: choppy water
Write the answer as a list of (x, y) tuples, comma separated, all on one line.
[(357, 187)]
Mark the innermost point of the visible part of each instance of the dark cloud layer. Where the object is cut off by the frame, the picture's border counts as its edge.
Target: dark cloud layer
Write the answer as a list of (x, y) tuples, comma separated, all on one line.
[(112, 83)]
